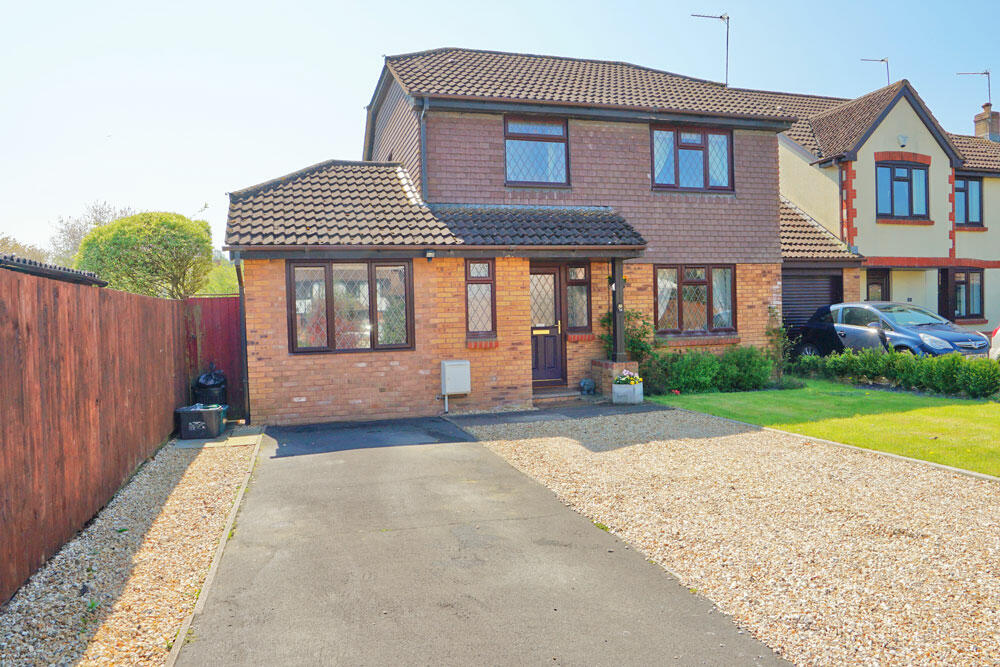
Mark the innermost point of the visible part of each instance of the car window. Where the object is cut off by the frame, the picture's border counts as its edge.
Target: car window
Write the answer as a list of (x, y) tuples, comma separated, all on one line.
[(908, 316), (857, 316), (823, 316)]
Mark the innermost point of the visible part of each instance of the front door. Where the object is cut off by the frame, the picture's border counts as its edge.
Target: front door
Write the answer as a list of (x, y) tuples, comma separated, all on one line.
[(878, 285), (547, 350)]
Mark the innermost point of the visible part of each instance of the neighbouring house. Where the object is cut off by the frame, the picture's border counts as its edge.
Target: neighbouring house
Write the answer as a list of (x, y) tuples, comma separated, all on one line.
[(921, 205), (504, 204)]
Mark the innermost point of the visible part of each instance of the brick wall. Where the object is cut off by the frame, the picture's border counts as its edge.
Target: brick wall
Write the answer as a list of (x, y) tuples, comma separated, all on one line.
[(302, 388), (610, 166), (852, 285)]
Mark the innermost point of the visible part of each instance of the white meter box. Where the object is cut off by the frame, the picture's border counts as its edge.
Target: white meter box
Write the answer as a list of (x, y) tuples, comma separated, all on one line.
[(456, 377)]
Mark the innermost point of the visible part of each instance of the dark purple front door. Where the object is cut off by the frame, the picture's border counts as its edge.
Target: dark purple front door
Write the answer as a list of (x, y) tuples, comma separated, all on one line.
[(547, 359)]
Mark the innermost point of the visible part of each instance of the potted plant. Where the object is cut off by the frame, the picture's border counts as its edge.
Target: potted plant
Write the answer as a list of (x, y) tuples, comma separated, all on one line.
[(627, 388)]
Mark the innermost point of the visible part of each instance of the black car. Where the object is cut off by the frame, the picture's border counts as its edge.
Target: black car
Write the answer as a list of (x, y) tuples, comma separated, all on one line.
[(885, 325)]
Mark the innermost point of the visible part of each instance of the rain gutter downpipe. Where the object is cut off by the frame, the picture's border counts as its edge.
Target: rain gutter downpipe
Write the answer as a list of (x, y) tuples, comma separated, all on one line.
[(423, 151)]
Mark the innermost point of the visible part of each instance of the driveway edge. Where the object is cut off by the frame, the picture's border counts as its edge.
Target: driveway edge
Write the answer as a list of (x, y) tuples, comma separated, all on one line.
[(900, 457), (181, 635)]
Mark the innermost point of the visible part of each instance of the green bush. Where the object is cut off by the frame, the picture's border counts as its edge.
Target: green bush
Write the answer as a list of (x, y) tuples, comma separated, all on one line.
[(653, 372), (743, 369), (981, 377), (638, 335), (692, 373), (948, 374)]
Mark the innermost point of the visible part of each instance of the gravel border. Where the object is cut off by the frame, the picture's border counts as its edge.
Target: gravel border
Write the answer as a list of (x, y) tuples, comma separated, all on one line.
[(830, 555), (118, 592)]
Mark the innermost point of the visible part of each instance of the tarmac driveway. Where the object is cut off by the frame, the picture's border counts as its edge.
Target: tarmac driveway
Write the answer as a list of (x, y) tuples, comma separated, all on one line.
[(404, 543)]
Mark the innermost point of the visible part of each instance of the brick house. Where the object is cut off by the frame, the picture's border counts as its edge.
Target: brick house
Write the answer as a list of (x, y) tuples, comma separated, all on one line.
[(504, 204), (922, 205)]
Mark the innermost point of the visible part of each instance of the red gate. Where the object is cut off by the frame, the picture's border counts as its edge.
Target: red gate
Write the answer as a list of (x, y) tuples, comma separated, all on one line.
[(214, 335)]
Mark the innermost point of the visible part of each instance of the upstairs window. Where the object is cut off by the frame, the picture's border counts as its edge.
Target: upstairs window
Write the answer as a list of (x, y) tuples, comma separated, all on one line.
[(537, 151), (901, 191), (692, 159), (969, 202)]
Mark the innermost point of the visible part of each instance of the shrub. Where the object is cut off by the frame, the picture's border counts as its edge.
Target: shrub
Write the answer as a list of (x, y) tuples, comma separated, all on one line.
[(946, 373), (808, 365), (638, 335), (654, 377), (779, 344), (981, 377), (871, 364), (743, 369), (902, 369), (691, 373)]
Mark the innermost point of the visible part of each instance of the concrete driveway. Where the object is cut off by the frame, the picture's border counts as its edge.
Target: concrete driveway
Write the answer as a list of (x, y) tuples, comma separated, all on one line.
[(403, 543)]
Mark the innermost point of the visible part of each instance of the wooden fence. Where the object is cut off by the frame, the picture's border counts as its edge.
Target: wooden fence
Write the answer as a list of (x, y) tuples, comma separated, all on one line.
[(213, 331), (89, 380)]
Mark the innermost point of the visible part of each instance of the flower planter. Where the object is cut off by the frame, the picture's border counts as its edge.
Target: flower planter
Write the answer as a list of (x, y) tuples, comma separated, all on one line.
[(626, 393)]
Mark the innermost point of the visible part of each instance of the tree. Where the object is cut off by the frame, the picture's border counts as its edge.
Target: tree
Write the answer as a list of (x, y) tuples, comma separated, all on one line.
[(158, 254), (65, 243), (222, 278), (11, 246)]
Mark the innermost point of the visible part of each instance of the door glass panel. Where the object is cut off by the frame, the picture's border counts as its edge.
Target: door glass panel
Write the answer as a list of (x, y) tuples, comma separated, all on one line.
[(874, 291), (542, 290), (310, 306), (390, 285), (352, 328)]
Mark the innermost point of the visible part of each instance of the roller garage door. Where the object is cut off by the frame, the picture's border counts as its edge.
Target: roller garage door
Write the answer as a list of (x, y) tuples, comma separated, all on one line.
[(803, 292)]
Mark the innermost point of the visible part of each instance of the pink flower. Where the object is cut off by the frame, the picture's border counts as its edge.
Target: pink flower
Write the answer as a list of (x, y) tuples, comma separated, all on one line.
[(676, 391)]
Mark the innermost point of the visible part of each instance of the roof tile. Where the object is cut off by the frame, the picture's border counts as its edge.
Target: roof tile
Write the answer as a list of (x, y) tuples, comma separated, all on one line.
[(802, 237)]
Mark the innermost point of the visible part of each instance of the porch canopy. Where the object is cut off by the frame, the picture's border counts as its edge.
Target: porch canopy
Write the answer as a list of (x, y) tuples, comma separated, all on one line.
[(355, 210)]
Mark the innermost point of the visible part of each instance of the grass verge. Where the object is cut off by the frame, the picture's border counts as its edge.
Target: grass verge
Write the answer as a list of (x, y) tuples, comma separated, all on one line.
[(956, 432)]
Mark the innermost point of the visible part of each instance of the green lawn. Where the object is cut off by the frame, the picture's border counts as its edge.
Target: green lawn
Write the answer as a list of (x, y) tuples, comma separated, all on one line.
[(956, 432)]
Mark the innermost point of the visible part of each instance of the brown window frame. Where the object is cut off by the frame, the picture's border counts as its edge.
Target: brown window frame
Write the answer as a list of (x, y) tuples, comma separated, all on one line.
[(964, 193), (950, 292), (703, 146), (585, 281), (492, 281), (327, 264), (911, 167), (523, 136), (681, 282)]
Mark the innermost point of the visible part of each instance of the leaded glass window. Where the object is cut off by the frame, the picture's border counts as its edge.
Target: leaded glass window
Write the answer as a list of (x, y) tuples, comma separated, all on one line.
[(480, 305), (310, 306), (694, 298), (578, 298), (536, 151)]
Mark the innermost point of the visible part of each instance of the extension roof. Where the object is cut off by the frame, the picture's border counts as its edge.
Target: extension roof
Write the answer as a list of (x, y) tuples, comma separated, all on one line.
[(364, 204), (803, 238)]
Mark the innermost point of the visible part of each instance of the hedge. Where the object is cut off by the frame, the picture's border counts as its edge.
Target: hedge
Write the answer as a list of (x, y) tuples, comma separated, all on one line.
[(952, 374), (736, 369)]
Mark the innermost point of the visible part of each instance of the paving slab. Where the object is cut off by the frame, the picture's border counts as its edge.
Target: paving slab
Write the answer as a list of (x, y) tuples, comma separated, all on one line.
[(370, 544)]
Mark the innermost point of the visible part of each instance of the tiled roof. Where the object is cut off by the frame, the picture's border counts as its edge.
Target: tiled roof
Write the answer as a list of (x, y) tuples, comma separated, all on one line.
[(537, 225), (22, 265), (980, 153), (804, 238), (521, 77), (839, 129), (339, 203)]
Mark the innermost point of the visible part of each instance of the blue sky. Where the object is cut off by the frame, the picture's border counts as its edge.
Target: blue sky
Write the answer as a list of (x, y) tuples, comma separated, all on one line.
[(169, 105)]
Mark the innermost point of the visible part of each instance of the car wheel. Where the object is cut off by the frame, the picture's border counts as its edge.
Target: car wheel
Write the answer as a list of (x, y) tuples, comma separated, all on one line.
[(808, 350)]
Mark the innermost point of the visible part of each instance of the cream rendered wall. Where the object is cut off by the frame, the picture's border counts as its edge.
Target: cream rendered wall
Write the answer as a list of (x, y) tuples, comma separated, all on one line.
[(918, 287), (983, 245), (814, 190), (875, 240), (991, 300)]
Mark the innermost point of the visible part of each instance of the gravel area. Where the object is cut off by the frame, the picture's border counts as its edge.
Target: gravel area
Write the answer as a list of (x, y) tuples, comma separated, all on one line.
[(119, 591), (829, 555)]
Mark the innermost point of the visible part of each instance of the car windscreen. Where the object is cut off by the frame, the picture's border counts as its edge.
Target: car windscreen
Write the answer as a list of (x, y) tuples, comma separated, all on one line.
[(909, 316)]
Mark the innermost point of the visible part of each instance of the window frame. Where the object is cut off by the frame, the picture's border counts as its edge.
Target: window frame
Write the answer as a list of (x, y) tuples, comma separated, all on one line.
[(950, 293), (521, 136), (911, 167), (703, 146), (327, 264), (492, 281), (585, 281), (965, 195), (710, 300)]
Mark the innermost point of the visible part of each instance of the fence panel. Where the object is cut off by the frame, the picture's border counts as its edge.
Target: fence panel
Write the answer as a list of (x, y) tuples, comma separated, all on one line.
[(89, 380), (213, 328)]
